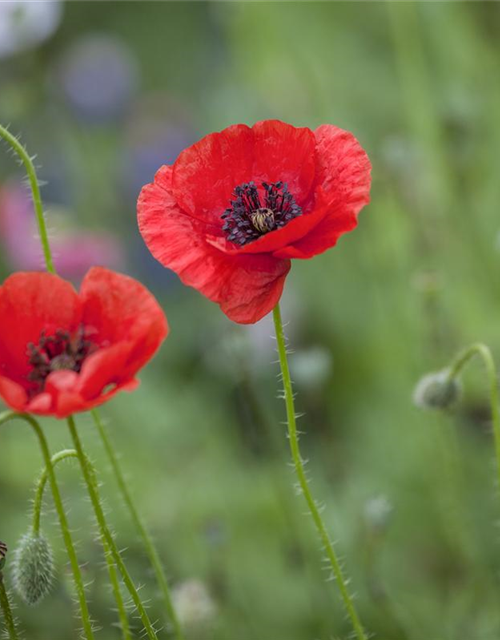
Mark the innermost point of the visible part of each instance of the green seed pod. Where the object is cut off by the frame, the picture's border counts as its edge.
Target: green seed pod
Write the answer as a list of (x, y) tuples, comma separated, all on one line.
[(437, 391), (33, 568)]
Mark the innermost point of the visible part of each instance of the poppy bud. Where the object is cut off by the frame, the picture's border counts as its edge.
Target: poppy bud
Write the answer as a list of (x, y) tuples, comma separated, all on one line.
[(437, 391), (33, 568)]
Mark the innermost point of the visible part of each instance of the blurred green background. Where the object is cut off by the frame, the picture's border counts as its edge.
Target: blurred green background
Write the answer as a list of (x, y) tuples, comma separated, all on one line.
[(104, 93)]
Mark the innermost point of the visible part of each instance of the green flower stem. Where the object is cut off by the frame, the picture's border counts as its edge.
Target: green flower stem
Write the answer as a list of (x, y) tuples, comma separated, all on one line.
[(146, 538), (91, 482), (18, 148), (485, 354), (10, 623), (40, 488), (37, 510), (49, 263), (303, 483), (63, 522)]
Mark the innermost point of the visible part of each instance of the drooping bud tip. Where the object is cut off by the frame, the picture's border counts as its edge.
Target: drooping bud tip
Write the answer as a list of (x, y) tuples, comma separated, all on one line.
[(437, 391)]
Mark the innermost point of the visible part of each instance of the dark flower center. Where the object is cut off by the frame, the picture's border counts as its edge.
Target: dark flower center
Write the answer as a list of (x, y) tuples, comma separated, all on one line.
[(59, 351), (248, 218)]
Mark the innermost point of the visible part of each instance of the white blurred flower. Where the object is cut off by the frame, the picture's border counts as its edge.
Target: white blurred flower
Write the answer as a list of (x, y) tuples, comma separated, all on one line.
[(25, 24), (311, 367), (193, 604), (377, 512)]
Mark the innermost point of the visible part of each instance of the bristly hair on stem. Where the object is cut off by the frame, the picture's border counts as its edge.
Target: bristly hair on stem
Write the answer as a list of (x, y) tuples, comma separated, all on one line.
[(34, 185), (10, 632), (299, 465), (27, 161), (151, 551), (91, 483), (88, 631), (113, 576)]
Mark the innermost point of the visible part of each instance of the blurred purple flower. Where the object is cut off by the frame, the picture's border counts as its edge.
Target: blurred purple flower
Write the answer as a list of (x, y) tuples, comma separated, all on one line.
[(99, 76), (74, 251), (159, 128)]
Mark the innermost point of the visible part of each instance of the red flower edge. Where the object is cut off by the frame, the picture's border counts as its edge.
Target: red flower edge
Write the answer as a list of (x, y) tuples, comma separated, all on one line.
[(241, 263), (62, 352)]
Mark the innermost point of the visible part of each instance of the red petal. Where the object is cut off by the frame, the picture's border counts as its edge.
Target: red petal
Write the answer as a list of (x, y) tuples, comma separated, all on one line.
[(287, 154), (205, 174), (343, 168), (343, 176), (30, 302), (323, 237), (62, 387), (40, 404), (13, 394), (106, 366), (246, 287), (120, 309)]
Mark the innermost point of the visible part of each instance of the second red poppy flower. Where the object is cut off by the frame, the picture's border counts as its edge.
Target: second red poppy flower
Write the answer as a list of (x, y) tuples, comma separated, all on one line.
[(63, 351), (236, 206)]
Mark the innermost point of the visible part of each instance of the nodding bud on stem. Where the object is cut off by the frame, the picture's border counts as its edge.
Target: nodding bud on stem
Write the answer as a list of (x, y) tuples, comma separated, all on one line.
[(33, 568), (437, 391)]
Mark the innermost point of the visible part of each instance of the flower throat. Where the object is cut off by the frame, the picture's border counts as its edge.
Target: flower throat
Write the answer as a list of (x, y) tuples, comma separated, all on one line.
[(54, 353), (248, 218)]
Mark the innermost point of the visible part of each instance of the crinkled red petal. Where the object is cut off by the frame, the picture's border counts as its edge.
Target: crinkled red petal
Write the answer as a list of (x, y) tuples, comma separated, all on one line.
[(30, 303), (205, 174), (121, 310), (344, 176), (246, 287)]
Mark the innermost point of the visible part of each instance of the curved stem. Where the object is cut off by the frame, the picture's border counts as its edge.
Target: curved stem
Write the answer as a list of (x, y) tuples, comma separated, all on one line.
[(485, 354), (18, 148), (40, 487), (92, 488), (304, 486), (151, 551), (37, 510), (10, 623), (63, 522)]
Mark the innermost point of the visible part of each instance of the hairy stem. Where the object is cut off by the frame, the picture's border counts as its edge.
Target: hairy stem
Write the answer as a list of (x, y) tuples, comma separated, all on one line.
[(151, 551), (63, 522), (18, 148), (10, 624), (92, 488), (303, 483), (458, 365), (113, 577)]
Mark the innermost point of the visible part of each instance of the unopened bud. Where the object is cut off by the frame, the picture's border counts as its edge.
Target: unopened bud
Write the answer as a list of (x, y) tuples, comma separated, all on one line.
[(437, 391), (33, 568)]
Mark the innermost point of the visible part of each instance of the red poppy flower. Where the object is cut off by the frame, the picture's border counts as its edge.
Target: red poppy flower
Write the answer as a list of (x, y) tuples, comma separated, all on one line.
[(235, 207), (63, 351)]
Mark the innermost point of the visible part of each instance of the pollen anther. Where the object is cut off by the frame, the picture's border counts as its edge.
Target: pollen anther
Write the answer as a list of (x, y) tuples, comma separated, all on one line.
[(253, 214)]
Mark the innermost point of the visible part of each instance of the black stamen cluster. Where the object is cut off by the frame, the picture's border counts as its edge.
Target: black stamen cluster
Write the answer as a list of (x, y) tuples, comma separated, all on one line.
[(248, 218), (59, 351)]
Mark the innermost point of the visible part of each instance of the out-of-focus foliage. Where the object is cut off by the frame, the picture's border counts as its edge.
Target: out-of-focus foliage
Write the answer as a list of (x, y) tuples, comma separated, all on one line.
[(118, 89)]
